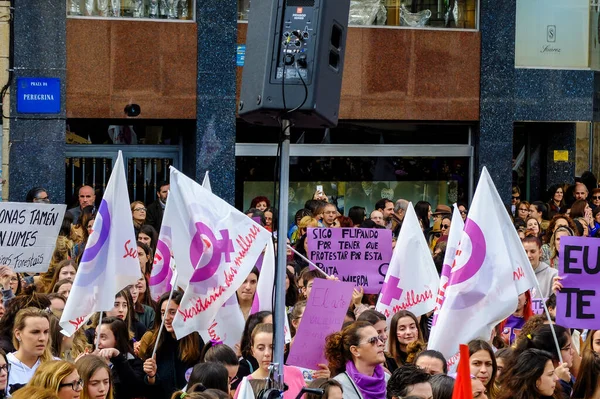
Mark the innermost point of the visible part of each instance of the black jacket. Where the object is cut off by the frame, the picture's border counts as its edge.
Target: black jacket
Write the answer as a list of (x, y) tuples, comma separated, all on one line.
[(128, 378), (154, 215)]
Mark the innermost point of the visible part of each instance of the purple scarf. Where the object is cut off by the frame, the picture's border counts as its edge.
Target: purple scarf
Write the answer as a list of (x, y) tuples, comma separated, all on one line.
[(370, 387)]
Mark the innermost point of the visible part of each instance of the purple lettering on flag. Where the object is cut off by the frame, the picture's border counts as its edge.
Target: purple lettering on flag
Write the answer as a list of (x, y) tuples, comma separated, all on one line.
[(199, 245), (95, 254)]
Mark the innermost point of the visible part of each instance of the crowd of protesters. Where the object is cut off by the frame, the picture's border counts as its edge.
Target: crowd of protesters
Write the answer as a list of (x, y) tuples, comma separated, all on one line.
[(112, 358)]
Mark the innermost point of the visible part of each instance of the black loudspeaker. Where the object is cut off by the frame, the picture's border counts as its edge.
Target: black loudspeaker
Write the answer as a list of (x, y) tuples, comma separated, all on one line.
[(303, 40)]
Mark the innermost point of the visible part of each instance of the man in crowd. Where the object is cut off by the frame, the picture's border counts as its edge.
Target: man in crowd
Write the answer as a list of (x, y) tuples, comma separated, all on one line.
[(377, 217), (398, 216), (386, 207), (580, 192), (329, 215), (86, 197), (409, 380), (156, 210)]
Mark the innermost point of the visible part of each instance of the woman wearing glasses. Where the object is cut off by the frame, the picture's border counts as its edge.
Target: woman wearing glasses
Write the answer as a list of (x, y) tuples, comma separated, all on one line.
[(97, 380), (61, 377), (356, 355), (4, 370), (138, 213)]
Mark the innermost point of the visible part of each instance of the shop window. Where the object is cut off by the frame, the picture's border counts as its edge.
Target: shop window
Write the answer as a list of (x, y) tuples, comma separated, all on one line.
[(451, 14), (169, 10), (357, 181)]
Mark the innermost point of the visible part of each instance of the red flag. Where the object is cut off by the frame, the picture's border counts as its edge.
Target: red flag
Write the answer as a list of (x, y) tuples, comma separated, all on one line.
[(462, 386)]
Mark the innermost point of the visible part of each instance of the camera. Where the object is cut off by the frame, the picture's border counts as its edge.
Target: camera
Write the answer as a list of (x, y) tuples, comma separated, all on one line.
[(132, 110)]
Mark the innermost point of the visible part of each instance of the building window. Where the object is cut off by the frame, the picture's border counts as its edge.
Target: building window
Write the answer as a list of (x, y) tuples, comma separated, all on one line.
[(449, 14), (169, 10)]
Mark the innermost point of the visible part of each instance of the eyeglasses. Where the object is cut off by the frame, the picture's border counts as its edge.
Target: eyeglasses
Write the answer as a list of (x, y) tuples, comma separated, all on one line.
[(463, 212), (139, 209), (373, 340), (596, 197), (75, 385), (445, 226), (5, 367), (516, 197)]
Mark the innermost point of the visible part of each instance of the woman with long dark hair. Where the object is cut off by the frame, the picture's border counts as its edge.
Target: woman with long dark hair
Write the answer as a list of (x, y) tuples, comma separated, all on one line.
[(483, 365), (587, 385), (542, 338), (531, 376), (173, 357), (404, 330), (248, 363), (127, 370), (556, 200), (423, 211)]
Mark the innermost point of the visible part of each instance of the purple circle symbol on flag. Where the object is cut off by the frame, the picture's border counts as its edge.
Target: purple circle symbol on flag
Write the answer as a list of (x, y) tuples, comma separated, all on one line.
[(203, 240), (475, 258), (162, 262), (95, 257)]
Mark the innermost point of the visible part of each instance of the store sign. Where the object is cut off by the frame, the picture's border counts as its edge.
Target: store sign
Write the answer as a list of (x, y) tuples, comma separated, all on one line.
[(553, 34), (38, 95)]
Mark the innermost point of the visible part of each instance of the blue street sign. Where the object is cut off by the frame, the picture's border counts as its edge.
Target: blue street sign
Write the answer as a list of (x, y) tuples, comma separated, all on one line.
[(38, 95)]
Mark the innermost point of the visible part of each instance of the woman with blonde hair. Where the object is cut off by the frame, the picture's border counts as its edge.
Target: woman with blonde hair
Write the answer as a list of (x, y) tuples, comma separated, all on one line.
[(31, 338), (60, 376), (97, 380), (35, 393)]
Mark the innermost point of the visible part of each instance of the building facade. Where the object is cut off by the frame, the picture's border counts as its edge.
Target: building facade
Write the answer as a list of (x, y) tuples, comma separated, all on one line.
[(432, 92)]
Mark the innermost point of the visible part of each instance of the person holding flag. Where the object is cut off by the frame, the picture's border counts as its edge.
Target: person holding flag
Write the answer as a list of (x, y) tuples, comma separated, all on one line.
[(489, 272), (109, 262)]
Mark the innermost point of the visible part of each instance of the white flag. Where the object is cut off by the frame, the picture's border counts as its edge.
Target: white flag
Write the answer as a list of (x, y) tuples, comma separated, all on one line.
[(219, 241), (227, 326), (109, 262), (263, 298), (245, 390), (411, 280), (162, 272), (206, 182), (457, 225), (481, 291)]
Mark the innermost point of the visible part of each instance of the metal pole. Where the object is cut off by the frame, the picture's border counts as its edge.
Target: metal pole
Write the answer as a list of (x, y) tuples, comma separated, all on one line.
[(279, 306)]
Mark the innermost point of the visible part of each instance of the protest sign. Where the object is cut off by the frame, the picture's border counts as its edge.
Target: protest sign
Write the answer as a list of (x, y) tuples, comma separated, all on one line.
[(359, 256), (324, 314), (537, 305), (578, 302), (28, 234)]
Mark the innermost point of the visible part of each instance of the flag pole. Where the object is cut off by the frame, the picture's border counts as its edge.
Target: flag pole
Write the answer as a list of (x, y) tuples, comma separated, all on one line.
[(162, 323), (99, 324), (537, 287), (306, 260)]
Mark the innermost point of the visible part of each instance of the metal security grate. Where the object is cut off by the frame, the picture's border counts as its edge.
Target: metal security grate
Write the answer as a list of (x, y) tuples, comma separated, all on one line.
[(146, 166)]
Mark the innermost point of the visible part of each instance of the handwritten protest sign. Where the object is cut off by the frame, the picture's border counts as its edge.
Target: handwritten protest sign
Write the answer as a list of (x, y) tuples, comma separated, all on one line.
[(28, 234), (578, 303), (324, 314), (359, 256)]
